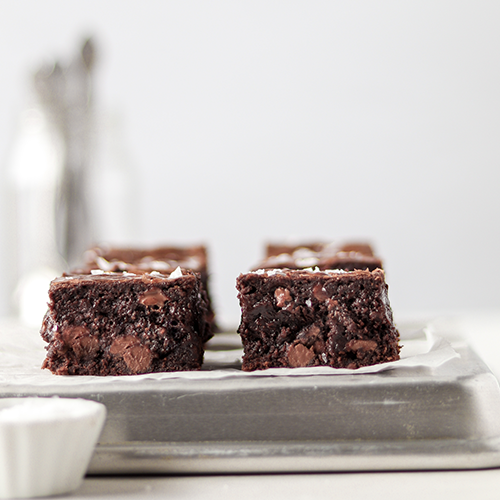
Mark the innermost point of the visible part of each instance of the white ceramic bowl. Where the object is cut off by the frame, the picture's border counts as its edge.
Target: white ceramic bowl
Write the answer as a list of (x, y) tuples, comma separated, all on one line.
[(46, 444)]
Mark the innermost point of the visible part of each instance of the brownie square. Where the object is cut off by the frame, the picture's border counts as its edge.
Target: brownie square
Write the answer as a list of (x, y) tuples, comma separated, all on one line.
[(346, 256), (298, 318), (123, 323)]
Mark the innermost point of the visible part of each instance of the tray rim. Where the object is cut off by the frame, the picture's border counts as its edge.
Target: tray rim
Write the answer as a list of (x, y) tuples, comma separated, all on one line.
[(217, 458)]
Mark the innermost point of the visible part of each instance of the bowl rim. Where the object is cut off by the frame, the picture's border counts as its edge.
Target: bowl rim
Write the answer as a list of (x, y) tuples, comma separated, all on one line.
[(81, 409)]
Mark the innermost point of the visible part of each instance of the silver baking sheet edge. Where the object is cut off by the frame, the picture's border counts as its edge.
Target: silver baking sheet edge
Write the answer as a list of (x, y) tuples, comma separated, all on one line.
[(220, 458)]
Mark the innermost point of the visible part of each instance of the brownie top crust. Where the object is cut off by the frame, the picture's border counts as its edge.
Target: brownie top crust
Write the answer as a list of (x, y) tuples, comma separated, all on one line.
[(145, 260), (332, 247), (348, 256)]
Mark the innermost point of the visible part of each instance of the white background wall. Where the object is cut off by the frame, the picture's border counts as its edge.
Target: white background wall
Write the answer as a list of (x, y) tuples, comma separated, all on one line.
[(258, 120)]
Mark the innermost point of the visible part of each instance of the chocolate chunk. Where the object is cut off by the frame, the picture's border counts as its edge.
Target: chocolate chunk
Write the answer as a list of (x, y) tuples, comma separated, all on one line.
[(282, 296), (299, 355), (86, 347), (319, 292), (121, 344), (79, 340), (309, 334), (153, 297), (361, 345), (138, 359), (311, 337), (71, 333)]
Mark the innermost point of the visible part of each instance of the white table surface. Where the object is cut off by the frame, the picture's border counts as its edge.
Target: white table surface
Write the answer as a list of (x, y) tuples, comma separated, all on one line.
[(483, 484), (480, 329)]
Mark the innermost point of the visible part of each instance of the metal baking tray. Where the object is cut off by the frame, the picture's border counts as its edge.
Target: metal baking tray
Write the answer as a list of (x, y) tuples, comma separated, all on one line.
[(406, 419)]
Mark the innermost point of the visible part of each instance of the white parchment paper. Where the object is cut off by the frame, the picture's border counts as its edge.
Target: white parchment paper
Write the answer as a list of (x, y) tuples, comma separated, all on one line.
[(22, 353)]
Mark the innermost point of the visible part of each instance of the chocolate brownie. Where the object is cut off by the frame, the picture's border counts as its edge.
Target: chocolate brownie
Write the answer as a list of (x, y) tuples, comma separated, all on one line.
[(121, 323), (162, 259), (347, 256), (297, 318)]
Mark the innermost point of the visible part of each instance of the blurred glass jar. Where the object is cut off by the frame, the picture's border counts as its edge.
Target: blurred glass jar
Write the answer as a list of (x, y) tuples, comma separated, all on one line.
[(69, 183), (34, 175)]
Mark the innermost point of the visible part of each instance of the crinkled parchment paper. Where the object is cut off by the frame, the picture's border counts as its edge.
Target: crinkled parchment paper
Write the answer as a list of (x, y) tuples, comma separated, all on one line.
[(22, 353)]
